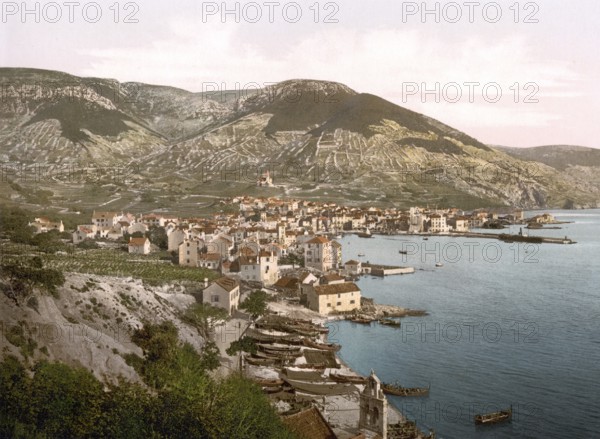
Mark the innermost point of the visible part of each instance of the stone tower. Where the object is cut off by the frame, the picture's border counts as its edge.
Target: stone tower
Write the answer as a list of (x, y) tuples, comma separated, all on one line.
[(373, 407)]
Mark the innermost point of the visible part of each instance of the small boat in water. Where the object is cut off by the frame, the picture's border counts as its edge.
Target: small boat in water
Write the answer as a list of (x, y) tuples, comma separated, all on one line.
[(361, 254), (365, 234), (397, 390), (403, 252), (494, 417), (361, 320), (389, 322), (439, 264), (425, 238)]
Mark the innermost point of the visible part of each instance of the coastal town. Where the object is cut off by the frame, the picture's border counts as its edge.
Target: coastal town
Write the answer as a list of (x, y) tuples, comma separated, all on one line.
[(292, 250)]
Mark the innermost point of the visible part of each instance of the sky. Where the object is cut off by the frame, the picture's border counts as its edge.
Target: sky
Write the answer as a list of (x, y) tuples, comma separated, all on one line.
[(506, 72)]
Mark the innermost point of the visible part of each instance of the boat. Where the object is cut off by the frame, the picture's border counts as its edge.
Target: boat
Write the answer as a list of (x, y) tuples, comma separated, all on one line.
[(273, 338), (259, 361), (439, 264), (354, 379), (321, 346), (268, 382), (365, 234), (361, 255), (338, 236), (403, 252), (494, 417), (279, 350), (316, 366), (322, 387), (425, 238), (277, 355), (361, 320), (397, 390), (389, 322)]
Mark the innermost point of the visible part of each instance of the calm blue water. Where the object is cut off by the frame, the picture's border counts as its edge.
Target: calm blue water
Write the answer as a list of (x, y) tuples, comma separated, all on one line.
[(505, 328)]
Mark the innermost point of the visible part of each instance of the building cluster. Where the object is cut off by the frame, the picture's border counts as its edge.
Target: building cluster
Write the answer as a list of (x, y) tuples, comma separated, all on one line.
[(250, 244)]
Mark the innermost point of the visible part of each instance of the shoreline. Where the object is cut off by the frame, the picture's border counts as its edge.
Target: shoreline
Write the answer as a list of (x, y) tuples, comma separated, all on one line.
[(341, 410)]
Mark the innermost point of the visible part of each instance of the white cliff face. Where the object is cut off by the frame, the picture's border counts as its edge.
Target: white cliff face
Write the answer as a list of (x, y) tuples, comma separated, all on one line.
[(90, 325)]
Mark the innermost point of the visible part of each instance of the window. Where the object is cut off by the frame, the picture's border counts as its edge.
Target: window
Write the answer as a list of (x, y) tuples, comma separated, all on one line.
[(214, 298), (339, 304), (352, 302), (329, 305), (339, 295)]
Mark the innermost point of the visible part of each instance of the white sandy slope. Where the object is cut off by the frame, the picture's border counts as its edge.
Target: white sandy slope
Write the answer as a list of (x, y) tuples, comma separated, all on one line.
[(91, 327)]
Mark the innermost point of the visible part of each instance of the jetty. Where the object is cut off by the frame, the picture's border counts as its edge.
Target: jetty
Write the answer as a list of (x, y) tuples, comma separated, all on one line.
[(385, 270), (521, 238)]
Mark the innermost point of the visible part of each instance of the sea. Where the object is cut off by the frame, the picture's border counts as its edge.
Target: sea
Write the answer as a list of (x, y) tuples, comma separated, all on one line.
[(509, 325)]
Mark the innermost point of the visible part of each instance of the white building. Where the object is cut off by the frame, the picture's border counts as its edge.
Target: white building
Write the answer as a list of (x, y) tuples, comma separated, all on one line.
[(340, 297), (261, 268), (318, 254), (223, 293), (140, 246)]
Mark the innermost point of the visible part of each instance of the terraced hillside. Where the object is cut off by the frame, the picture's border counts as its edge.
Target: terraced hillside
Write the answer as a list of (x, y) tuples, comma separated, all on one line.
[(318, 139)]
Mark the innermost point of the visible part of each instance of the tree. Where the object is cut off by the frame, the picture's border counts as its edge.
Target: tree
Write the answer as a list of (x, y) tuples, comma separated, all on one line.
[(158, 236), (204, 317), (159, 342), (244, 344), (210, 358), (256, 303), (23, 276)]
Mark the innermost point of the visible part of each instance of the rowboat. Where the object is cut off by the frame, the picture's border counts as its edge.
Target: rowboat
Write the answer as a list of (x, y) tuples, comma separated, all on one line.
[(397, 390), (389, 322), (322, 346), (322, 388), (268, 382), (278, 348), (361, 320), (494, 417), (354, 379), (319, 366), (259, 361)]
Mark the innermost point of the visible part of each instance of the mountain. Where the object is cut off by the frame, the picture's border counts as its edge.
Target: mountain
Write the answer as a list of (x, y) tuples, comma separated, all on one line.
[(560, 157), (319, 140)]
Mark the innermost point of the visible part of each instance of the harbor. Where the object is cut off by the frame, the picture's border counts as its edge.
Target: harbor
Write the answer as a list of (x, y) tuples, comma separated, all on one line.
[(298, 369)]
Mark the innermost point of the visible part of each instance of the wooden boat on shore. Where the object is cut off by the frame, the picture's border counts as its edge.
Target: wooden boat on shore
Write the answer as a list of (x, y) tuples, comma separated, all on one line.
[(494, 417), (279, 348), (397, 390), (319, 366), (275, 355), (259, 361), (322, 346), (273, 338), (322, 388), (389, 322), (268, 382), (354, 379)]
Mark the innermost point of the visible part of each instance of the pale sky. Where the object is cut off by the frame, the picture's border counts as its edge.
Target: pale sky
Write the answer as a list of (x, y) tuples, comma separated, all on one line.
[(550, 55)]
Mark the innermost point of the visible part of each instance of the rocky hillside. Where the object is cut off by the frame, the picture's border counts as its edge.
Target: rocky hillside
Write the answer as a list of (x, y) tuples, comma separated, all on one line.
[(318, 139), (90, 323)]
